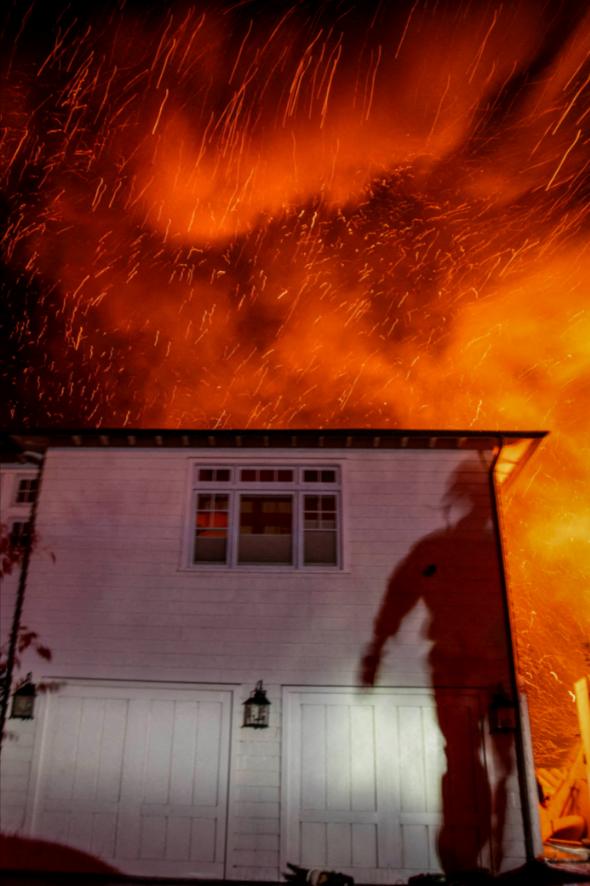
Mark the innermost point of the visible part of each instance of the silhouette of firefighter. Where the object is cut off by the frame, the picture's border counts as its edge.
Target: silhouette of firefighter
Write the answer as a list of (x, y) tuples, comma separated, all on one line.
[(455, 572)]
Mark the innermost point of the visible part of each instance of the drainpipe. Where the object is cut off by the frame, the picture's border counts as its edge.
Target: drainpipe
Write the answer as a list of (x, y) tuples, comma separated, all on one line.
[(37, 458), (521, 753)]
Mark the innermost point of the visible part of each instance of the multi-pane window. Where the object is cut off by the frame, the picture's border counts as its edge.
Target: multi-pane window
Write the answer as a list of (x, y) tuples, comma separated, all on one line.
[(26, 492), (320, 525), (20, 533), (217, 475), (319, 476), (252, 515), (266, 529), (211, 528), (266, 475)]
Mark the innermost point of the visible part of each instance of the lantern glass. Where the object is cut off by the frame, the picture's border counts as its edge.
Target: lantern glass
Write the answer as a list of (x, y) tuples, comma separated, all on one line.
[(23, 702), (256, 709), (502, 713)]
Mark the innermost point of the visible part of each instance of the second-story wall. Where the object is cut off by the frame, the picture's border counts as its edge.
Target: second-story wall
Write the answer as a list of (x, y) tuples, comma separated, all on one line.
[(113, 590)]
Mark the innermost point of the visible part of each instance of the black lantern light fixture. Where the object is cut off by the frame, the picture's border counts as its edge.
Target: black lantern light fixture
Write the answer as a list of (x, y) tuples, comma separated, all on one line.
[(23, 700), (256, 708), (502, 712)]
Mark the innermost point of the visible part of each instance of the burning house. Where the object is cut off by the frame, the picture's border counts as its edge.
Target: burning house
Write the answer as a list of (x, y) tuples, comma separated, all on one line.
[(341, 591)]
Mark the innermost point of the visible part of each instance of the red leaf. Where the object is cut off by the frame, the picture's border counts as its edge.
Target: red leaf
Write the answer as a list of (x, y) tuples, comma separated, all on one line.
[(44, 652)]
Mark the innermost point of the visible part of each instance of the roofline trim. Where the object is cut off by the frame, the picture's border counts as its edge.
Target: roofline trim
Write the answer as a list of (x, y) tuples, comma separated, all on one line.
[(42, 439)]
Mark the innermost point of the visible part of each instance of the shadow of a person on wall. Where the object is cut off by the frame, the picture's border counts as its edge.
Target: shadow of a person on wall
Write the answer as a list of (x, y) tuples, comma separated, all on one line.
[(455, 572)]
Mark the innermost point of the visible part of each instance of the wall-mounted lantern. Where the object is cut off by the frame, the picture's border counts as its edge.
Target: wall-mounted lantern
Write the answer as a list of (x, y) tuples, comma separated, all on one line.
[(502, 712), (256, 708), (23, 700)]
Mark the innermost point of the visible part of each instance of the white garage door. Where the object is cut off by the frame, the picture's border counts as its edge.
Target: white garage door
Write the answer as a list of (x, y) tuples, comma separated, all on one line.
[(363, 787), (136, 777)]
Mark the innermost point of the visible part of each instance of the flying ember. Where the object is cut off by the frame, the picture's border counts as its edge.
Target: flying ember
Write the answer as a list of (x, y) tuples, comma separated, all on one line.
[(310, 215)]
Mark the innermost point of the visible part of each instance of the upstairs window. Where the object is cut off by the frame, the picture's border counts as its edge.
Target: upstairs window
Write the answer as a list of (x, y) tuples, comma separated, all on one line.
[(265, 529), (26, 491), (259, 515), (212, 526), (214, 475), (320, 528), (20, 533), (266, 475)]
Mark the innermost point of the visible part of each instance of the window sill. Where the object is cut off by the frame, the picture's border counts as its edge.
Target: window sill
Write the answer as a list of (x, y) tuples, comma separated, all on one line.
[(265, 570)]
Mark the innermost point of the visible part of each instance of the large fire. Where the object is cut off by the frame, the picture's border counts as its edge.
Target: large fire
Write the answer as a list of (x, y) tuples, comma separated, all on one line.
[(345, 214)]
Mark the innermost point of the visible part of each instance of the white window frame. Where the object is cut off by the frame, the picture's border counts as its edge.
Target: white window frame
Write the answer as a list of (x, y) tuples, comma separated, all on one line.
[(30, 478), (297, 488)]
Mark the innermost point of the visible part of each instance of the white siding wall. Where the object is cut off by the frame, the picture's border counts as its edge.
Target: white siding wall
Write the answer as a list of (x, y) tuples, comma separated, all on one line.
[(18, 744), (11, 512), (119, 602)]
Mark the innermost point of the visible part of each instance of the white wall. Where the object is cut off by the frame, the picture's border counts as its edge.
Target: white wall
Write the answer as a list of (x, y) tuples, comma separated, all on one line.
[(11, 512)]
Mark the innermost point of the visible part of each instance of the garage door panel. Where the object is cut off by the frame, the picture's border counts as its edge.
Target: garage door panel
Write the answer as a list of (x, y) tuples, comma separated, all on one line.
[(338, 844), (137, 776), (463, 776), (205, 840), (387, 834), (89, 735), (362, 791), (80, 831), (338, 758), (207, 762), (108, 785), (313, 844), (128, 838), (313, 756), (158, 759), (364, 846), (338, 763), (433, 848), (178, 838), (89, 832), (134, 750), (434, 760), (184, 748), (415, 845), (104, 833), (64, 747), (362, 761), (152, 836), (85, 748), (411, 764)]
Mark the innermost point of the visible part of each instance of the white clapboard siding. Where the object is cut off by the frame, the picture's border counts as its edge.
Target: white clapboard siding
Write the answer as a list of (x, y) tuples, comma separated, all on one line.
[(362, 791), (136, 776)]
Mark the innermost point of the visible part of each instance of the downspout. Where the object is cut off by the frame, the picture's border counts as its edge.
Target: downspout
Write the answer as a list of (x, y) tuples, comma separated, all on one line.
[(521, 755), (20, 594)]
